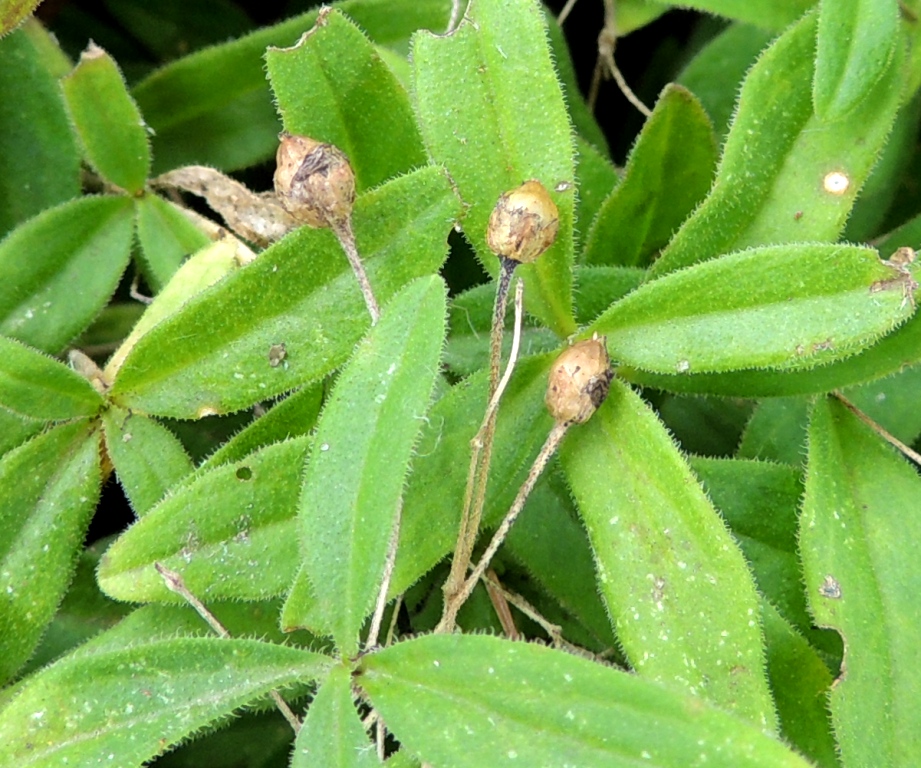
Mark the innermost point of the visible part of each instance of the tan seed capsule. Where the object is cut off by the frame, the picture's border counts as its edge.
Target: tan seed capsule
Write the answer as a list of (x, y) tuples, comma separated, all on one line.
[(579, 381), (314, 181), (524, 223)]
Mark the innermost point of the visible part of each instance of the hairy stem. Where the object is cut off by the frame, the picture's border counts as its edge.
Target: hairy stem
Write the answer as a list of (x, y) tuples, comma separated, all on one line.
[(343, 231)]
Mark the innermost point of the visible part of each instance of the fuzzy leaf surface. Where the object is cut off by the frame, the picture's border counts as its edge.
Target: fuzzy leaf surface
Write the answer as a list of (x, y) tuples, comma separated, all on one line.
[(491, 110), (213, 355), (166, 238), (334, 87), (77, 254), (858, 540), (677, 587), (354, 479), (792, 304), (332, 735), (773, 184), (141, 699), (148, 458), (195, 104), (470, 701), (48, 491), (767, 14), (36, 386), (230, 533), (856, 44), (668, 173), (40, 164)]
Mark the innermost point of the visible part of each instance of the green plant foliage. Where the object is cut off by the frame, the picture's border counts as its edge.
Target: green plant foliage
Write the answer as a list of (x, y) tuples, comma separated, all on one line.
[(166, 237), (48, 491), (213, 355), (522, 134), (333, 87), (857, 537), (107, 120), (768, 14), (141, 700), (815, 302), (689, 619), (35, 386), (84, 243), (332, 734), (15, 430), (12, 13), (229, 532), (668, 173), (40, 164), (505, 704)]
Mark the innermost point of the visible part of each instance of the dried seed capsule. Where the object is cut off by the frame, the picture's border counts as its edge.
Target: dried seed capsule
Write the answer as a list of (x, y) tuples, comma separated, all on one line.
[(314, 181), (579, 381), (524, 223)]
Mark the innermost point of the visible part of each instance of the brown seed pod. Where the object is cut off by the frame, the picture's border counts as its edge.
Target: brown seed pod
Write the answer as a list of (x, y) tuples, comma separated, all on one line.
[(579, 381), (314, 181), (524, 223)]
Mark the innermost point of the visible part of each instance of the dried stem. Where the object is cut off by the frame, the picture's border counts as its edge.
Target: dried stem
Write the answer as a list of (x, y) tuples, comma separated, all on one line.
[(500, 603), (343, 231), (393, 620), (481, 445), (175, 583), (454, 602), (880, 430), (564, 14), (605, 65), (389, 563)]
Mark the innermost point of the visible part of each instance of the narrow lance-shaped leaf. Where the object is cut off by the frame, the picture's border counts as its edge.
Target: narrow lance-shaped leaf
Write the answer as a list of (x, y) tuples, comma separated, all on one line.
[(677, 588), (668, 173), (229, 532), (141, 700), (492, 111), (353, 482), (334, 87), (858, 539), (107, 120), (857, 40), (332, 735), (35, 386), (470, 701), (796, 305), (48, 491), (40, 164), (166, 237), (768, 14), (786, 175), (61, 268), (216, 355), (149, 459)]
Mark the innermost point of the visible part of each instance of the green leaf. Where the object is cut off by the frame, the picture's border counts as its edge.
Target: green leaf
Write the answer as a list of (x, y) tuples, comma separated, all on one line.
[(214, 107), (230, 533), (856, 45), (470, 701), (213, 355), (107, 120), (776, 431), (60, 269), (795, 305), (434, 497), (332, 734), (597, 288), (13, 12), (668, 173), (36, 386), (715, 73), (783, 176), (40, 164), (167, 237), (679, 592), (148, 458), (141, 700), (767, 14), (333, 87), (596, 177), (15, 430), (354, 479), (858, 539), (48, 491), (491, 110)]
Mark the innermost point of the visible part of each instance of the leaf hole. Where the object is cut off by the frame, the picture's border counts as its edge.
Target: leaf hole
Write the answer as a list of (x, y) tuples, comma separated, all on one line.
[(244, 473)]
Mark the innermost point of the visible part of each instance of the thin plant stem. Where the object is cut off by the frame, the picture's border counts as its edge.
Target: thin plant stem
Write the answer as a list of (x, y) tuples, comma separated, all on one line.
[(393, 620), (453, 603), (389, 563), (481, 445), (500, 604), (564, 14), (606, 66), (880, 430), (174, 582), (455, 15), (343, 231), (626, 90)]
